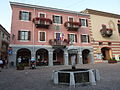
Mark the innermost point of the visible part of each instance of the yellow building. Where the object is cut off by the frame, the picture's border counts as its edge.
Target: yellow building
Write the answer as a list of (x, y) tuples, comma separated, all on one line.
[(105, 34)]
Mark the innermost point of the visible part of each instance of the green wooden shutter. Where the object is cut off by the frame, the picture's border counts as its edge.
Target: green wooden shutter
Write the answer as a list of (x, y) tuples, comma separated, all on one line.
[(29, 35), (61, 20), (86, 23), (75, 38), (80, 21), (20, 15), (29, 16), (19, 35), (68, 37), (53, 19), (88, 39)]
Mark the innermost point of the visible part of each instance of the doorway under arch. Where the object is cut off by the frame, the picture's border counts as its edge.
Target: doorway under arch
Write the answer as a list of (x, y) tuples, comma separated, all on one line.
[(86, 56), (25, 55), (41, 57), (58, 58), (106, 53), (72, 52)]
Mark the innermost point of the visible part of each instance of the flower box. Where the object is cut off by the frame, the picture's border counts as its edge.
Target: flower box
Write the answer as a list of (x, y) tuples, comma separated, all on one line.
[(72, 25), (112, 61), (20, 67)]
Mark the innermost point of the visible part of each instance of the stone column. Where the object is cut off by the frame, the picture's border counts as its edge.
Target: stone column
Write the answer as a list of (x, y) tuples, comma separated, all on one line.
[(12, 59), (91, 57), (65, 58), (50, 62), (79, 58), (32, 55)]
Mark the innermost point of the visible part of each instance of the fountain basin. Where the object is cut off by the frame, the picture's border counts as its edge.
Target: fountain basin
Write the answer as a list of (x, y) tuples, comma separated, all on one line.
[(76, 76)]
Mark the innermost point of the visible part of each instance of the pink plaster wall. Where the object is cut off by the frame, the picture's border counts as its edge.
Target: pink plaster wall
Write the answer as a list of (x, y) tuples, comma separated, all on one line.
[(29, 25)]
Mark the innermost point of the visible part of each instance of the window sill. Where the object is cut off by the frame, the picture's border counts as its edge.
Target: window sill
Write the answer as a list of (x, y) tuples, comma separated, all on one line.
[(41, 41), (85, 42), (57, 23), (25, 20), (24, 40), (84, 26)]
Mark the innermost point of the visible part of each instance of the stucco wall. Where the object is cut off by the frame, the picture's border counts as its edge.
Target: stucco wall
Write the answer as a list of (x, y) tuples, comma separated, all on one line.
[(96, 23), (30, 26)]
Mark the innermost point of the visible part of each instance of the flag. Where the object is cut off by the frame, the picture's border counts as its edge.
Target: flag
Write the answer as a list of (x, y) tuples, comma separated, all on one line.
[(61, 36), (58, 36)]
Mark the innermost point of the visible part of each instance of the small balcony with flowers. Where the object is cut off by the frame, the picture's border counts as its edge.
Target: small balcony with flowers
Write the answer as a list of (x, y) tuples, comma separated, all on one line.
[(72, 26), (58, 43), (106, 32), (42, 22)]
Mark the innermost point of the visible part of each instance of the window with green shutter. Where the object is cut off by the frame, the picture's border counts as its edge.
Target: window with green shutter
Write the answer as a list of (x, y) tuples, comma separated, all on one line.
[(24, 15), (24, 35)]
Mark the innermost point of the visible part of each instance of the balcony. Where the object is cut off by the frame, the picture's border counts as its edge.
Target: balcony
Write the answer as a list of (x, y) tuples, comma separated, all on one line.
[(58, 43), (72, 26), (42, 22)]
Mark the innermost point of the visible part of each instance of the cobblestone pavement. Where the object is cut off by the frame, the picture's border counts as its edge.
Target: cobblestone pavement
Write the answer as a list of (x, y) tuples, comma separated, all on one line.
[(40, 78)]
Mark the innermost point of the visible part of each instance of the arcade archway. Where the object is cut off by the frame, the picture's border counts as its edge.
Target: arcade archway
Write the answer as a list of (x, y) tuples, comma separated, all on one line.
[(58, 58), (41, 57), (86, 56), (25, 55), (72, 52), (106, 53)]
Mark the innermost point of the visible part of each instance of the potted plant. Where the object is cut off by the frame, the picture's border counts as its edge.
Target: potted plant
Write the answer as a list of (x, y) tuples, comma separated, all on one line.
[(112, 60), (20, 66)]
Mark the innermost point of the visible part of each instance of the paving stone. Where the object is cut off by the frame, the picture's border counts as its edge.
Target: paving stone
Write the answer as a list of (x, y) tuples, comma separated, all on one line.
[(40, 78)]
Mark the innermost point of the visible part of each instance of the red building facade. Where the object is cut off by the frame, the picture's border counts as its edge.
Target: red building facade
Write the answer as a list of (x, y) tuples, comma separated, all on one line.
[(49, 35)]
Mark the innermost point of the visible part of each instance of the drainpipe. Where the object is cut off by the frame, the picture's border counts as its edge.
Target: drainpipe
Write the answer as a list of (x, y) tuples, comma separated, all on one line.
[(33, 41)]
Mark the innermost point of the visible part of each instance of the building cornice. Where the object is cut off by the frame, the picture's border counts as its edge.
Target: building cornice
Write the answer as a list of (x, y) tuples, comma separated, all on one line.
[(4, 30), (47, 8), (101, 13)]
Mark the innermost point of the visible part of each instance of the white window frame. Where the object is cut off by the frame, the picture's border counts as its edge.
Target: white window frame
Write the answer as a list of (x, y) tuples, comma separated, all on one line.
[(60, 19), (74, 37), (25, 11), (85, 22), (70, 17), (86, 38), (39, 36), (20, 36), (41, 13)]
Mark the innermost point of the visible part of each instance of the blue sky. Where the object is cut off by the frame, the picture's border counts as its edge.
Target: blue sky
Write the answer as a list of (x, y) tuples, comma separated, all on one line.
[(111, 6)]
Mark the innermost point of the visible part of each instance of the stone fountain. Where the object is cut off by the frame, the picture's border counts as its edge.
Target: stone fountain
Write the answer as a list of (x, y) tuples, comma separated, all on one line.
[(76, 76)]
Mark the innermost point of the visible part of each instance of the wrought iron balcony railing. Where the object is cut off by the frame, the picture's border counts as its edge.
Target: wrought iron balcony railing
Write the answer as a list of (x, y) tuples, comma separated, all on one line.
[(42, 22), (59, 43), (72, 25)]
